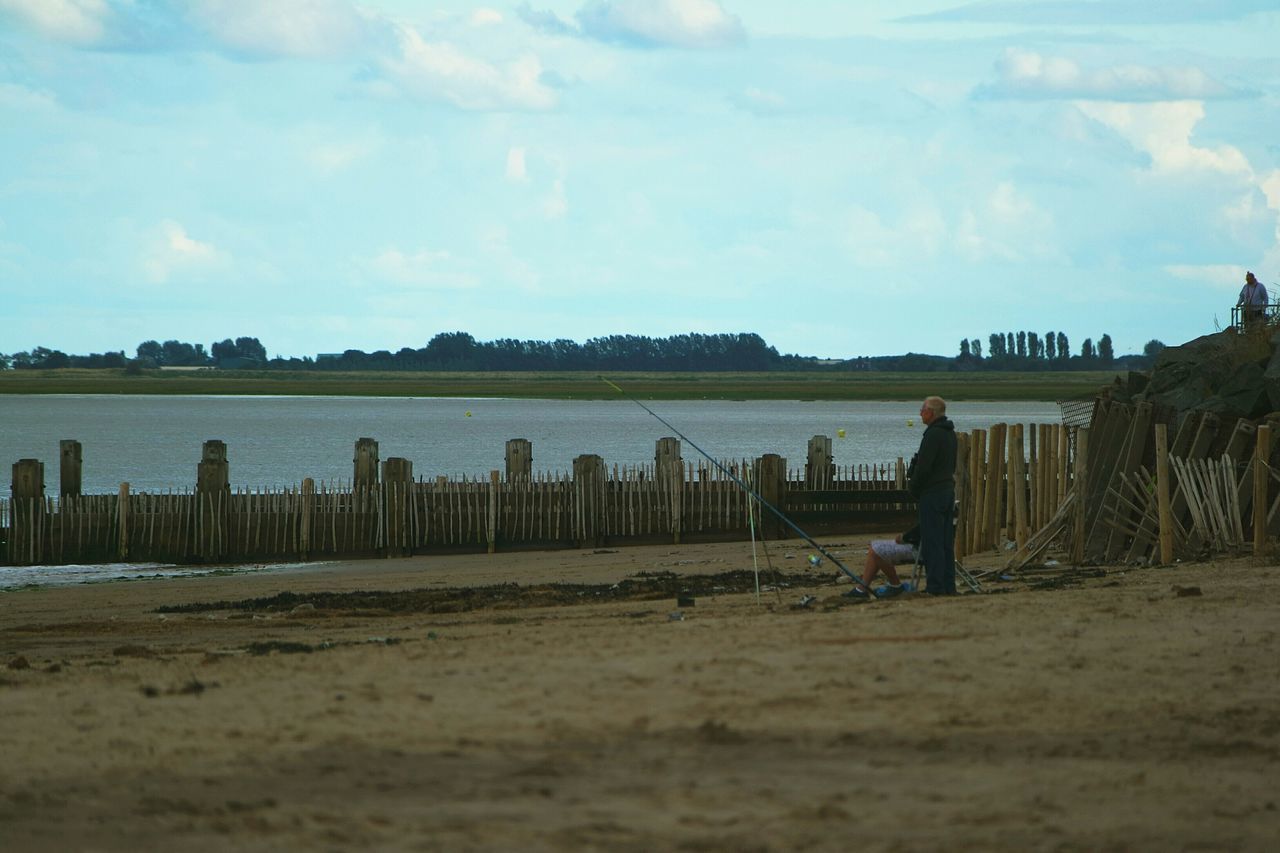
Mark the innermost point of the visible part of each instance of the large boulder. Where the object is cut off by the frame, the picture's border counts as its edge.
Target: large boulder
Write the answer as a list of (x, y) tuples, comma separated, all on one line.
[(1231, 374), (1206, 358), (1243, 395)]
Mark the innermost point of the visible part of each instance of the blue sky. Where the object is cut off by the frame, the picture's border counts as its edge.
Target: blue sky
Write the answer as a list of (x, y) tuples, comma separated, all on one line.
[(843, 178)]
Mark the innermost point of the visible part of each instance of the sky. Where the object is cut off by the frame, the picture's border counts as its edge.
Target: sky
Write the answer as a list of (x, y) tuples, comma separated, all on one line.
[(842, 178)]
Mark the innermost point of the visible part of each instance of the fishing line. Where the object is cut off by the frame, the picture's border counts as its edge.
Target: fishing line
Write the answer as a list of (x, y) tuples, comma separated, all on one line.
[(741, 485)]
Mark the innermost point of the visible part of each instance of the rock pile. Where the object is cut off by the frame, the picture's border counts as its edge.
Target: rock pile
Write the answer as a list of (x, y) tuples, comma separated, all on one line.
[(1232, 374)]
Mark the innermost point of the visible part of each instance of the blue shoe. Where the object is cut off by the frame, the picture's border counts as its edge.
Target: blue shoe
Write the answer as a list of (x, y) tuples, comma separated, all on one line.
[(889, 590)]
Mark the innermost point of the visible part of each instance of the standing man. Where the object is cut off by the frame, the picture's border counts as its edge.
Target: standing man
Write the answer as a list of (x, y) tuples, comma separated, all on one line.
[(933, 485), (1253, 300)]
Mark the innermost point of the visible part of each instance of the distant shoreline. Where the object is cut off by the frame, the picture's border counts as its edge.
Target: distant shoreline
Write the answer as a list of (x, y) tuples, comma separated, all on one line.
[(569, 385)]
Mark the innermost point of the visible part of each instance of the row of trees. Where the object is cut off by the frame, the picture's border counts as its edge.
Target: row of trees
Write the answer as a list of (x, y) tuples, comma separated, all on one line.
[(461, 351), (240, 352), (1028, 350), (691, 352)]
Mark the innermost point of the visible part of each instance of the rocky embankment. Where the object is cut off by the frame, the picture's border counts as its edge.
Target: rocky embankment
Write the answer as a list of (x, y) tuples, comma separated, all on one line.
[(1232, 374)]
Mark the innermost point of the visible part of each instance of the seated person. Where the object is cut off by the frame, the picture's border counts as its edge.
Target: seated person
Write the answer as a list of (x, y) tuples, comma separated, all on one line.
[(885, 555)]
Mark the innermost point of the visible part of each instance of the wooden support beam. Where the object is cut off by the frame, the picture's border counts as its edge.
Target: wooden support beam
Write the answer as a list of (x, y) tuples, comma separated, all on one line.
[(1080, 490), (1018, 486), (1134, 452), (1261, 480), (1164, 494)]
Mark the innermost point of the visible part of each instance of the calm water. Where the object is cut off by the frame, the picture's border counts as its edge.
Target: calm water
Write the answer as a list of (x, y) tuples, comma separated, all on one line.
[(154, 443)]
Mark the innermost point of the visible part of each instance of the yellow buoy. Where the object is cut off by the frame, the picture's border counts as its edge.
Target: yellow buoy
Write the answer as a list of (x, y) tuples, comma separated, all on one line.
[(910, 422), (840, 433), (468, 413)]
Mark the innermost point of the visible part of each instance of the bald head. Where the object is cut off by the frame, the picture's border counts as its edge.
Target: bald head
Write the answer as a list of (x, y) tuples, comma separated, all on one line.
[(937, 405)]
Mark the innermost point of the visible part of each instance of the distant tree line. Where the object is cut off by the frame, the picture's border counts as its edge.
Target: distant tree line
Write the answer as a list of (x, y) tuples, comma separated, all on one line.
[(461, 351), (1052, 351), (690, 352), (241, 352)]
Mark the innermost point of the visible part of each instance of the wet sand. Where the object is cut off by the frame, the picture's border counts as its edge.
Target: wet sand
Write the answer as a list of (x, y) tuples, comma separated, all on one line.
[(1110, 709)]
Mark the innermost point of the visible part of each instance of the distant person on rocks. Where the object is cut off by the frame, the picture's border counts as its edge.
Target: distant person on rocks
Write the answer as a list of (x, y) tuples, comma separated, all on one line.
[(885, 555), (932, 483), (1253, 300)]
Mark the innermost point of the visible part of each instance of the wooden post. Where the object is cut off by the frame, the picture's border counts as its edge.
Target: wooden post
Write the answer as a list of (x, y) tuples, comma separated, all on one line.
[(122, 520), (1064, 465), (1033, 476), (494, 486), (1164, 494), (772, 486), (1261, 480), (397, 483), (818, 468), (977, 485), (1010, 523), (588, 487), (519, 459), (1039, 460), (962, 492), (669, 469), (71, 456), (995, 487), (1018, 483), (26, 513), (1082, 492), (213, 493), (304, 522), (365, 464)]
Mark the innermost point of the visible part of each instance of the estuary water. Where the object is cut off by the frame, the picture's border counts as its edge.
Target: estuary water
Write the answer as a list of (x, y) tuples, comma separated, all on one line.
[(154, 443)]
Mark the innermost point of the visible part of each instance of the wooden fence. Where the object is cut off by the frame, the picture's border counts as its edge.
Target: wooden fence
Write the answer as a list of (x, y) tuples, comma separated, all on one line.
[(591, 506), (1005, 487), (1146, 488)]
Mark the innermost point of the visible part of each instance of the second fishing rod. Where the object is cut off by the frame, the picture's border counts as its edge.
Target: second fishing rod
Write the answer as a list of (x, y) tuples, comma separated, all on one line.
[(741, 485)]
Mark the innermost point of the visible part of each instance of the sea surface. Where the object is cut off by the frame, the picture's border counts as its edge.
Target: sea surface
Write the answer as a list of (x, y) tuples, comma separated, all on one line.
[(154, 443)]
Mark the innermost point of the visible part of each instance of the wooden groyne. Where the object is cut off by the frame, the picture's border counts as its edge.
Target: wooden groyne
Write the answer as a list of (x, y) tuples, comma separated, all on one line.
[(1148, 488), (385, 510)]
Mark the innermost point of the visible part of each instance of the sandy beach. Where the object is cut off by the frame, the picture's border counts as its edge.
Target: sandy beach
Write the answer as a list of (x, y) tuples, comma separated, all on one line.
[(1117, 708)]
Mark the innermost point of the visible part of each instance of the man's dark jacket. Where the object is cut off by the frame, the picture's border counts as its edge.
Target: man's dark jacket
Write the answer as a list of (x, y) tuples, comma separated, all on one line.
[(935, 463)]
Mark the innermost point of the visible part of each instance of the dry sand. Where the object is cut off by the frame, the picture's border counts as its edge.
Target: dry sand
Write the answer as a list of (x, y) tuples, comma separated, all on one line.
[(1109, 712)]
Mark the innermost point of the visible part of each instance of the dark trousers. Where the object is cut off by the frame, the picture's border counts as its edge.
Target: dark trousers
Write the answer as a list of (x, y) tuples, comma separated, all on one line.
[(938, 540)]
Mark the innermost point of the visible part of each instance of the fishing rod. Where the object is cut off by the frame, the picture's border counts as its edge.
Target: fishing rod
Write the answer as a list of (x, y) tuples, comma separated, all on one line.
[(741, 485)]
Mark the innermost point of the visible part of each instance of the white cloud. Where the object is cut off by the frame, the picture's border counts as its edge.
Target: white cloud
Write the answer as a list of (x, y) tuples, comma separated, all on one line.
[(485, 17), (1227, 277), (494, 245), (333, 157), (15, 96), (661, 23), (1270, 185), (1009, 226), (80, 22), (515, 165), (171, 252), (312, 29), (556, 204), (1163, 132), (441, 72), (1094, 13), (424, 268), (1026, 74), (762, 100), (919, 233)]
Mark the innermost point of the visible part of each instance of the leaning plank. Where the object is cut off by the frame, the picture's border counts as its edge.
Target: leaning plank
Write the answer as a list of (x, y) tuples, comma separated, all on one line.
[(1045, 535)]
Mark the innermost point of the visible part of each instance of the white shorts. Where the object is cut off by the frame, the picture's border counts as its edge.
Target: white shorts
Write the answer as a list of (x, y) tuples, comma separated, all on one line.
[(894, 553)]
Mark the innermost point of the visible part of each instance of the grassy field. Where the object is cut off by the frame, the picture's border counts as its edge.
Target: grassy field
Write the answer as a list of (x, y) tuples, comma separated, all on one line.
[(568, 385)]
